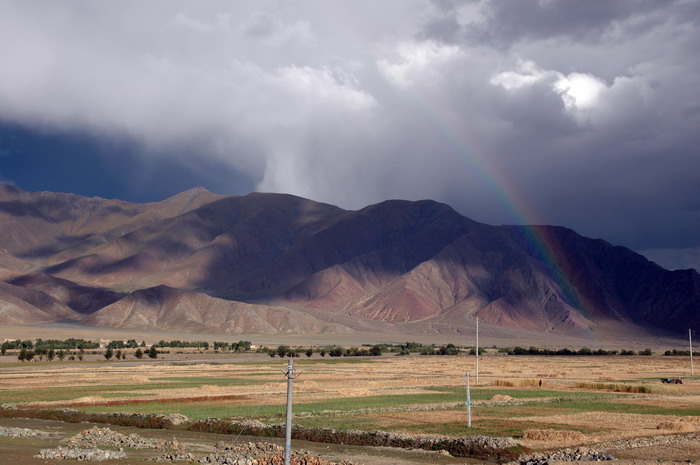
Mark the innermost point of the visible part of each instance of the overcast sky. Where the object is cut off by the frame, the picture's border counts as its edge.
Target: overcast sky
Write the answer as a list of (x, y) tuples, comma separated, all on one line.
[(584, 114)]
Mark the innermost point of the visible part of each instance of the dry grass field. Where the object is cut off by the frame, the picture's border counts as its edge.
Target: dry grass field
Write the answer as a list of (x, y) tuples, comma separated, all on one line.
[(604, 402)]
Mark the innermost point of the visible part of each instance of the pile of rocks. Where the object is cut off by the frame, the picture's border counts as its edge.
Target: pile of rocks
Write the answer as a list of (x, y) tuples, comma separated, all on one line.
[(261, 453), (297, 458), (245, 453), (83, 455), (175, 419), (174, 456), (21, 432), (228, 459), (659, 440), (580, 454), (250, 448), (472, 446), (106, 437)]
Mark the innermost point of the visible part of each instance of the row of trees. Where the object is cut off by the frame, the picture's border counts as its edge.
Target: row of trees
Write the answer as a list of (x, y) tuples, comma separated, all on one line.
[(27, 355), (139, 354), (684, 353), (240, 346), (565, 351), (130, 344), (41, 345), (331, 351), (53, 348)]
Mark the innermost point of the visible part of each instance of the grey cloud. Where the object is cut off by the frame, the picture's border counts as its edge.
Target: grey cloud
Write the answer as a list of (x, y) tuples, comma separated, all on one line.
[(592, 123), (504, 22)]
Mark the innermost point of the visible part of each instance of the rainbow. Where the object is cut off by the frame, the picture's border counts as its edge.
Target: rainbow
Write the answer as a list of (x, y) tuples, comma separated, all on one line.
[(543, 246)]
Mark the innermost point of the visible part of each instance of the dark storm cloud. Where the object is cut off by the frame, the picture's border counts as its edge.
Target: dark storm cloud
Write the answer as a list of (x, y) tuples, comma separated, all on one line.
[(505, 22), (580, 113)]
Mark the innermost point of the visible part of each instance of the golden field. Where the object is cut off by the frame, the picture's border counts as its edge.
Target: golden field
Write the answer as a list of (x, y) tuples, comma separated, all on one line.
[(596, 401)]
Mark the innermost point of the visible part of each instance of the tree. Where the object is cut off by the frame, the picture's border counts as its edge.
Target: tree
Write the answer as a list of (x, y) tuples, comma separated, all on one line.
[(282, 351), (81, 354), (109, 353), (322, 353), (153, 352), (61, 355), (118, 354), (375, 351), (51, 354), (22, 355), (336, 352), (309, 352), (138, 354)]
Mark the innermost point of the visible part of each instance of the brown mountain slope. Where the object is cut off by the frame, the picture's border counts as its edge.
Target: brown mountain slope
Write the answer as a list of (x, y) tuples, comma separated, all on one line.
[(26, 306), (165, 308), (81, 299), (45, 227), (275, 263)]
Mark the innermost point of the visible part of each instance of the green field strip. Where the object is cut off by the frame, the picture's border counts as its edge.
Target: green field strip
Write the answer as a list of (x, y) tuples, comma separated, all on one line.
[(515, 393), (74, 392)]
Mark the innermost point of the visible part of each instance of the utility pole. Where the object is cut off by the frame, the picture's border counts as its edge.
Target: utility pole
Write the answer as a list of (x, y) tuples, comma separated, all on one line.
[(690, 343), (469, 404), (288, 431), (477, 350)]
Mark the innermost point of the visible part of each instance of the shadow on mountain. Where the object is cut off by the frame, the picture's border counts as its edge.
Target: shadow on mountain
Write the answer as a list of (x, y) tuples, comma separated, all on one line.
[(276, 258)]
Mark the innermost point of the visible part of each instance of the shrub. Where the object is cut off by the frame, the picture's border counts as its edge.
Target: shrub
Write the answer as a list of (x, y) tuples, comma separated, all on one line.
[(449, 349), (335, 352), (617, 387), (282, 351)]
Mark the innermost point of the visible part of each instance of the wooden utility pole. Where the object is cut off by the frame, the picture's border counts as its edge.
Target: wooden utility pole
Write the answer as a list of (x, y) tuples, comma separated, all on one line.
[(690, 343), (477, 350), (469, 403), (288, 431)]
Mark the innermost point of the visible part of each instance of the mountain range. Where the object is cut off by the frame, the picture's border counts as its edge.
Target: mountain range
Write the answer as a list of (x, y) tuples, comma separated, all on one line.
[(200, 262)]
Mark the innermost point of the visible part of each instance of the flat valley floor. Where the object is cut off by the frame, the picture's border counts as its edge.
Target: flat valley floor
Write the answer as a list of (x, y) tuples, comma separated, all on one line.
[(616, 404)]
